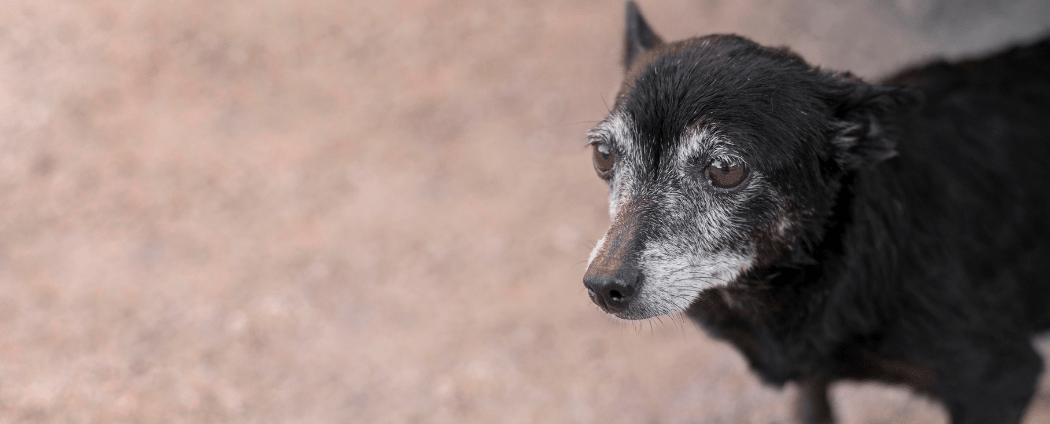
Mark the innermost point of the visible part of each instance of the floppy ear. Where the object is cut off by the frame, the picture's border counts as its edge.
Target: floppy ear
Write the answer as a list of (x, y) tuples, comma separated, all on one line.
[(638, 38), (864, 126)]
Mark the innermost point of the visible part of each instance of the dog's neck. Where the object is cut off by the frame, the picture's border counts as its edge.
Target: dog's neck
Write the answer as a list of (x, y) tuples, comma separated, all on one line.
[(798, 274)]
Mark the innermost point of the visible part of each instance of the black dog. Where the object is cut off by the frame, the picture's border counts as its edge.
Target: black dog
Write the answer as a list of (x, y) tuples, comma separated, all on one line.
[(831, 228)]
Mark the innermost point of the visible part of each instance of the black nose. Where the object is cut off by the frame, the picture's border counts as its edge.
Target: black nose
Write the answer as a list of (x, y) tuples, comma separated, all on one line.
[(612, 292)]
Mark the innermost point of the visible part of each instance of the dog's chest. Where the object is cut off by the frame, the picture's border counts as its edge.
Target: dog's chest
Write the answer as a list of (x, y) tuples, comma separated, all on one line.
[(778, 349), (781, 349)]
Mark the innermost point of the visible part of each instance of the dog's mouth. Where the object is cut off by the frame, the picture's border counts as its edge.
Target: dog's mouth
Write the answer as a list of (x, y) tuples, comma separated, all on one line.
[(640, 299), (636, 309), (664, 286)]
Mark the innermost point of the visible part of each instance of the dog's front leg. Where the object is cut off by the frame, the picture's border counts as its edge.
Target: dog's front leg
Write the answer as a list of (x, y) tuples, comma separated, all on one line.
[(812, 404), (991, 382)]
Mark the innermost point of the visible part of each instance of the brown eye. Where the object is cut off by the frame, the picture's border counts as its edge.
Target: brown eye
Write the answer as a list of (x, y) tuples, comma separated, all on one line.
[(725, 175), (603, 160)]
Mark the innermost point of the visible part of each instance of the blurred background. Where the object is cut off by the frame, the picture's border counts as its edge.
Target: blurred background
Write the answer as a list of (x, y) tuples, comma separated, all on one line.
[(367, 212)]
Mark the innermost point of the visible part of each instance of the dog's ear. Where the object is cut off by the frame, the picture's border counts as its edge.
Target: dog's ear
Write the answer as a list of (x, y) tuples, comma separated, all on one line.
[(864, 124), (638, 38)]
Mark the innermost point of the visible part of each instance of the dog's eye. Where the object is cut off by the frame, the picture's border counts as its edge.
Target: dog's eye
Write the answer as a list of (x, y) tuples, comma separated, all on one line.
[(603, 160), (724, 174)]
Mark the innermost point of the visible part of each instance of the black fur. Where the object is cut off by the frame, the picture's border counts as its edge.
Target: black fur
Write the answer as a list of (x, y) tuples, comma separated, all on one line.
[(922, 255)]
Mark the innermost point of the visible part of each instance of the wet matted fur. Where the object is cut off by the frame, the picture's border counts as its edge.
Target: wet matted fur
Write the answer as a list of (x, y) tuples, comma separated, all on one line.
[(832, 228)]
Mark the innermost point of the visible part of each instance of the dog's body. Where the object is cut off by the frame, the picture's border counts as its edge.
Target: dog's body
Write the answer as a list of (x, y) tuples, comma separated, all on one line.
[(830, 228)]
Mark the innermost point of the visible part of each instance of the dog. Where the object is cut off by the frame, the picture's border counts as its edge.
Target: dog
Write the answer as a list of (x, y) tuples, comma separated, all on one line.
[(831, 228)]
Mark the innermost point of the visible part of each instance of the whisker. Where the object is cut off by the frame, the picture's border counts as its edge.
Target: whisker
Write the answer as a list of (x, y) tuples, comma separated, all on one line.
[(582, 122)]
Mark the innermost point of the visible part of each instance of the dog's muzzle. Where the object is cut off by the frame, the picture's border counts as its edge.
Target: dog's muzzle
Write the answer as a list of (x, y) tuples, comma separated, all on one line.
[(613, 278)]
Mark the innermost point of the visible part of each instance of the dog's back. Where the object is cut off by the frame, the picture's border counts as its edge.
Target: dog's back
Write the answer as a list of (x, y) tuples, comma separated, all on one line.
[(974, 174)]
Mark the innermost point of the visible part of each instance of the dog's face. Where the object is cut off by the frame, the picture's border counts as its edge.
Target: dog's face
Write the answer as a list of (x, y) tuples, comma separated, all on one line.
[(722, 157)]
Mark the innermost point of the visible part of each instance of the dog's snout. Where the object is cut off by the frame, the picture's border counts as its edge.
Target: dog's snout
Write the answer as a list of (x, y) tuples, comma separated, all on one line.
[(612, 292)]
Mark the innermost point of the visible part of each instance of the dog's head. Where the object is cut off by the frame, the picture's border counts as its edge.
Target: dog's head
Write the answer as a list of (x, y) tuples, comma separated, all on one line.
[(723, 157)]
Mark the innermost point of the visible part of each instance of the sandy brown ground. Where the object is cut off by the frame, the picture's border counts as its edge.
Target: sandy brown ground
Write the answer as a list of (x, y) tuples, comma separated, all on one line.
[(365, 212)]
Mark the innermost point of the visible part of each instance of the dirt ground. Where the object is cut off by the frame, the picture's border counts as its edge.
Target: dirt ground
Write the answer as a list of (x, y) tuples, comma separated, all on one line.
[(367, 212)]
